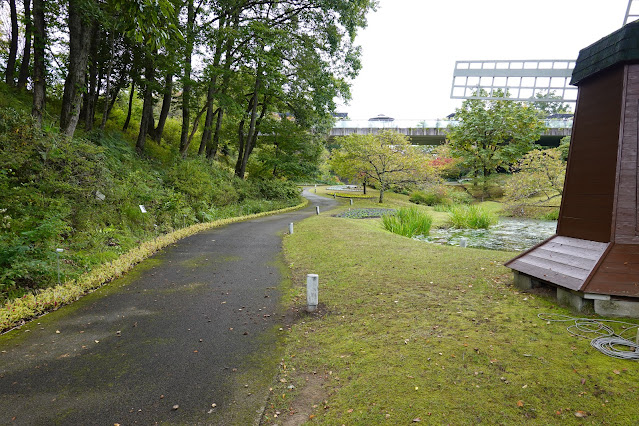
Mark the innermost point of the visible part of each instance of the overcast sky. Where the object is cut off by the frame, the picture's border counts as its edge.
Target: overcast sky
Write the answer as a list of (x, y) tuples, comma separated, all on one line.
[(410, 46)]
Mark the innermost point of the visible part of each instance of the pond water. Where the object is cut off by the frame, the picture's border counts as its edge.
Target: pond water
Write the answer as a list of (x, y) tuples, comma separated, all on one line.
[(509, 234)]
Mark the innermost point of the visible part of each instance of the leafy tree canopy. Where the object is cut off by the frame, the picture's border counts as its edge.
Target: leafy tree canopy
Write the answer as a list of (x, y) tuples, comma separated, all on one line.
[(493, 133), (386, 158), (547, 108), (540, 173)]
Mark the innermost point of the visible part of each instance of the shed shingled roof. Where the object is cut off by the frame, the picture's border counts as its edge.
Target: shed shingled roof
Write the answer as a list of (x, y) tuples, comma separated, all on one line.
[(622, 46)]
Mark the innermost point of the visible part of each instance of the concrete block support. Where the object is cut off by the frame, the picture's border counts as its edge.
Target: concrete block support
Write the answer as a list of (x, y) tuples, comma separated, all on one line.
[(522, 281), (573, 299), (617, 308)]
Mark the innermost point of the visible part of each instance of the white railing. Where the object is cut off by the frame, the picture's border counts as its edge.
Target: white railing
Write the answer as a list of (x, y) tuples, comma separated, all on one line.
[(425, 124)]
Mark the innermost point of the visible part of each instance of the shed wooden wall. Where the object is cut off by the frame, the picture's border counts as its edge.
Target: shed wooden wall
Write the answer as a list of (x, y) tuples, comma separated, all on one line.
[(626, 223), (589, 191)]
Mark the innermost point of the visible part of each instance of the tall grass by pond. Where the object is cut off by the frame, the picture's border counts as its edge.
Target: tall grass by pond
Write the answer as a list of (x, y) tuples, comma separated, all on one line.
[(408, 221), (471, 217)]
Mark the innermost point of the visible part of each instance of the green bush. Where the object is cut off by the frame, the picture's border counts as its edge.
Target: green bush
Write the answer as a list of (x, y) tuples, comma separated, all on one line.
[(471, 217), (460, 197), (441, 194), (277, 189), (430, 197), (408, 221)]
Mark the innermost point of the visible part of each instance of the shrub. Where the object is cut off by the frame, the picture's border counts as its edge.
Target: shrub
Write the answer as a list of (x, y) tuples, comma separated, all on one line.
[(430, 197), (472, 217), (277, 189), (408, 221), (460, 197)]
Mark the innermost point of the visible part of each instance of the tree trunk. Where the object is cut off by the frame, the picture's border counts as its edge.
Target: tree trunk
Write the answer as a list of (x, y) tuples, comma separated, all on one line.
[(74, 85), (485, 192), (208, 121), (211, 150), (113, 98), (39, 65), (210, 94), (88, 103), (26, 52), (251, 138), (240, 150), (13, 44), (146, 122), (196, 124), (381, 194), (107, 90), (128, 114), (166, 106), (244, 142), (186, 84)]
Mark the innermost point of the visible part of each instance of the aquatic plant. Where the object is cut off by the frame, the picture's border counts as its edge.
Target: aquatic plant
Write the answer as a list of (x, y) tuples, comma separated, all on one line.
[(471, 217), (408, 221)]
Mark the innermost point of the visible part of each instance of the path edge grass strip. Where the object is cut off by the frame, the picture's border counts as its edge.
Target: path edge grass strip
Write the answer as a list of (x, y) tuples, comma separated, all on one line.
[(29, 306)]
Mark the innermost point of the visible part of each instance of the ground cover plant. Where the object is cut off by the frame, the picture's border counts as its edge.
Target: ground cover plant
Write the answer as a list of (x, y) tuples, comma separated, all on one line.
[(408, 222), (410, 332), (364, 213)]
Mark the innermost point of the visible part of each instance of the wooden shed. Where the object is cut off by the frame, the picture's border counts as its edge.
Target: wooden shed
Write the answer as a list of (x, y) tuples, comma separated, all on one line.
[(596, 248)]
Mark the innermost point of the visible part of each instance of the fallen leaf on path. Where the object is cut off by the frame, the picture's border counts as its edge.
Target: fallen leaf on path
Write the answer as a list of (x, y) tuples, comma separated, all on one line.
[(520, 403)]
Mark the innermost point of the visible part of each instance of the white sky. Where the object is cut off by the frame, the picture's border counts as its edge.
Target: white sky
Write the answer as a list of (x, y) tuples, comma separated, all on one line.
[(410, 46)]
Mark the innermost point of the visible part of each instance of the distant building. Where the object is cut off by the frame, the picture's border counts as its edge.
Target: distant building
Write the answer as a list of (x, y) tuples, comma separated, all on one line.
[(341, 115), (381, 117)]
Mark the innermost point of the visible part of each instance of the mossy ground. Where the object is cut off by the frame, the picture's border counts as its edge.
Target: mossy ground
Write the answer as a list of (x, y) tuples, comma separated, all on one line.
[(408, 330)]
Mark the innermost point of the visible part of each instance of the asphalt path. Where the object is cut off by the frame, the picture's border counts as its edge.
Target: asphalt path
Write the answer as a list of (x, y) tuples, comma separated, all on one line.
[(186, 329)]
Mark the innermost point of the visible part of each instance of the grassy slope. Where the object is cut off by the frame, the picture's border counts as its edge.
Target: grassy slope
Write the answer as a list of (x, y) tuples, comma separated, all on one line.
[(412, 330)]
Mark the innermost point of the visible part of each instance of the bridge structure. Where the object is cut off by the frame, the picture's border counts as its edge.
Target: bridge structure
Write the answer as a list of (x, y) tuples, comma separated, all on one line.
[(433, 132)]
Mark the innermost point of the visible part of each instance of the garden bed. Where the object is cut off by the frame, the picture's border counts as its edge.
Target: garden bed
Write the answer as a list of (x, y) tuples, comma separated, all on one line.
[(364, 213)]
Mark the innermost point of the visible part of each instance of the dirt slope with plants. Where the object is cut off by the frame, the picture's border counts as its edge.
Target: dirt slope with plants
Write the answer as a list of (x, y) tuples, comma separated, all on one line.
[(84, 195)]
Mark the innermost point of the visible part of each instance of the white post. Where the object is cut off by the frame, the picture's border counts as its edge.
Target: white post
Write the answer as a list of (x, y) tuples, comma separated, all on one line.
[(316, 209), (290, 228), (462, 242), (351, 201), (312, 284), (316, 189)]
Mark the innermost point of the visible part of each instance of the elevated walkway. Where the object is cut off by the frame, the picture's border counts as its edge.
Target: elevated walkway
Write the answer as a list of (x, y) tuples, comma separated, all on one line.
[(433, 132)]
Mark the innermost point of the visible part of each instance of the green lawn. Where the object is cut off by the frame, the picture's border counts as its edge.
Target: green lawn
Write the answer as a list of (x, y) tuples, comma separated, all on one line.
[(408, 330)]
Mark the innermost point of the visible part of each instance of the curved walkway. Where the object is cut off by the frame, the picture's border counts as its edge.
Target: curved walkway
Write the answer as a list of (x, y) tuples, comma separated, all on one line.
[(189, 336)]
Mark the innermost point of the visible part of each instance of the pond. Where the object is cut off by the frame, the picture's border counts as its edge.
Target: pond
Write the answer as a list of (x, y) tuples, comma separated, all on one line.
[(509, 234)]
